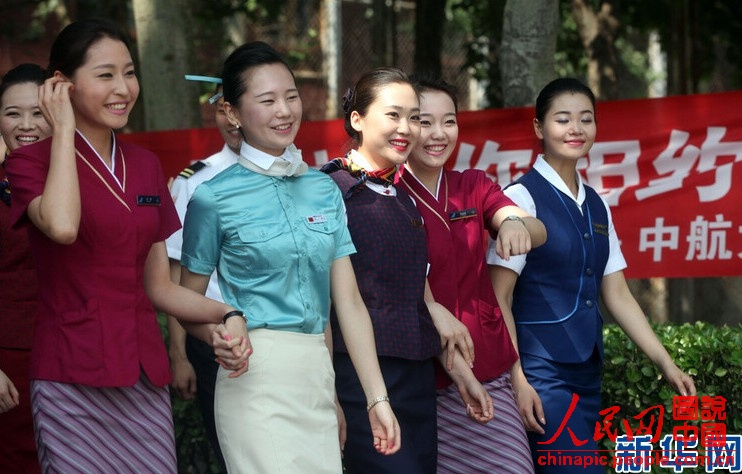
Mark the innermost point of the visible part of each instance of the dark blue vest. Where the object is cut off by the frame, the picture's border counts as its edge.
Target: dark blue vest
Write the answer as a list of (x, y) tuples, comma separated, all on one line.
[(555, 301), (390, 268)]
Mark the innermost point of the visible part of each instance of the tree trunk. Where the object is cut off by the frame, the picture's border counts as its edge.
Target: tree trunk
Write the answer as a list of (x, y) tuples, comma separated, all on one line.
[(430, 16), (163, 42), (597, 32), (383, 34), (528, 45), (332, 41)]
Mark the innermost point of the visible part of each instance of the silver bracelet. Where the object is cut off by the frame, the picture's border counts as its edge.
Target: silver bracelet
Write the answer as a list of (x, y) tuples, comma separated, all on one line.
[(514, 218), (376, 400)]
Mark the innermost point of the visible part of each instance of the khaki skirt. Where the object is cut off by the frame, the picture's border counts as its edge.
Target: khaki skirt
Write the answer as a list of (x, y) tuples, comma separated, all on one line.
[(280, 416)]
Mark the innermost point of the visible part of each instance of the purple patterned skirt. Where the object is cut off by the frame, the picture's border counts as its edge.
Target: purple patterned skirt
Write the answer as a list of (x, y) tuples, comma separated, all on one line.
[(87, 429)]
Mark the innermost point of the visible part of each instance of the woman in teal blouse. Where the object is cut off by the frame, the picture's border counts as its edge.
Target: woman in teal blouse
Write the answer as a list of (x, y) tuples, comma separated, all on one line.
[(275, 232)]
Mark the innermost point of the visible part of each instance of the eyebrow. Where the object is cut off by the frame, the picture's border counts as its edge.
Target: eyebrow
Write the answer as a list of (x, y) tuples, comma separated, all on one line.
[(400, 108), (586, 111), (274, 92), (112, 66), (447, 114)]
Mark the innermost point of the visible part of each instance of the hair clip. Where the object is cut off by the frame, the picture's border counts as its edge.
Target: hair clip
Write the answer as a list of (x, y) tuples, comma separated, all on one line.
[(215, 97), (215, 80), (348, 100)]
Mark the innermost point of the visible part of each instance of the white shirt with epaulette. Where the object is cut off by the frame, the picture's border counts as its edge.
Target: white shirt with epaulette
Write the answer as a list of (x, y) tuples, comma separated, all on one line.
[(182, 190)]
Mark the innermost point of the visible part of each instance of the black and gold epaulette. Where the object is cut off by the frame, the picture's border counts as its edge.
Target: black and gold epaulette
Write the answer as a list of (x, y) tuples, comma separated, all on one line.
[(191, 170)]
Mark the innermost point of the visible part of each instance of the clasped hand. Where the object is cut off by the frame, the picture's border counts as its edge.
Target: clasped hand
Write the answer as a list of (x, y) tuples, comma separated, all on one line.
[(232, 346)]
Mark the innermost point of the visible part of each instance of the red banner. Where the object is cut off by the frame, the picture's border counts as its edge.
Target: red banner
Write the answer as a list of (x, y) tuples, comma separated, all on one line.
[(668, 168)]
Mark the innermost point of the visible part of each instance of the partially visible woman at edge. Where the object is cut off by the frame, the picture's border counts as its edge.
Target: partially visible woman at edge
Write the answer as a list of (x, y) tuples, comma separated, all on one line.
[(21, 123), (550, 297), (97, 212), (276, 233), (459, 208), (382, 119)]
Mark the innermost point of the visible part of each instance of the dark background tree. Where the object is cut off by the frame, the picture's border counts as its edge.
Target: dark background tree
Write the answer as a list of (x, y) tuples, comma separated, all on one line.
[(608, 43), (430, 17)]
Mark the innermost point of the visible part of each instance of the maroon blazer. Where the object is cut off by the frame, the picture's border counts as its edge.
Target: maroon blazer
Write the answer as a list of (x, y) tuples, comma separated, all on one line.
[(18, 286), (95, 324)]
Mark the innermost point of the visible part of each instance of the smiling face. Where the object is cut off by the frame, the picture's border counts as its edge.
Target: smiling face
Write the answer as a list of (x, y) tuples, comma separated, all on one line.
[(105, 87), (391, 127), (568, 128), (21, 121), (269, 112), (439, 131)]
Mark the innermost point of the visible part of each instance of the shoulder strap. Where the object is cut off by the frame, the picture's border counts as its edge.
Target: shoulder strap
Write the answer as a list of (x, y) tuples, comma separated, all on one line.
[(191, 170)]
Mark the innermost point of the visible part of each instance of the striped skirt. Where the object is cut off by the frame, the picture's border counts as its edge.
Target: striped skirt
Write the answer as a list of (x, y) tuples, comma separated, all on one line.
[(500, 446), (84, 429)]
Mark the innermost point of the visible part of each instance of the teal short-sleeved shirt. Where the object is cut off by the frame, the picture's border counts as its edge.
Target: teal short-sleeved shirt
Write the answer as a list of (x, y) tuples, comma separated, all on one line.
[(272, 241)]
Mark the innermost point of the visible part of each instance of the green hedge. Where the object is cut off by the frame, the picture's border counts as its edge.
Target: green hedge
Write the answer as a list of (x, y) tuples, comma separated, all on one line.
[(712, 355), (195, 455)]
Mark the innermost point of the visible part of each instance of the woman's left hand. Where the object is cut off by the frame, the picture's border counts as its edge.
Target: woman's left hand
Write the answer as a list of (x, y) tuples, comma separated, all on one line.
[(453, 333), (342, 424), (680, 381), (479, 403), (9, 397), (385, 429)]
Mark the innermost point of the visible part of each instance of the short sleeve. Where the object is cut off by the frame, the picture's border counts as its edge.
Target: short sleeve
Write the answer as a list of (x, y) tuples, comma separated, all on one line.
[(616, 261), (169, 221), (519, 195), (202, 236), (27, 175), (180, 195), (343, 242), (493, 199)]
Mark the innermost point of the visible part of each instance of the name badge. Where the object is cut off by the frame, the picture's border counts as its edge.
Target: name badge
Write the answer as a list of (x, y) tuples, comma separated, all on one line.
[(463, 214), (317, 219), (148, 200), (601, 229)]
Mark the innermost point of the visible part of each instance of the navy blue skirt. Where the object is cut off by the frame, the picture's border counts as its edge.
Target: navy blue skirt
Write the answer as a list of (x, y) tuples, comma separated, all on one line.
[(556, 383), (411, 388)]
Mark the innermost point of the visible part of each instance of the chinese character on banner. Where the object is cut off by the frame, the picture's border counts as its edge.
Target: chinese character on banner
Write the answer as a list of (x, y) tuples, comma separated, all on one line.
[(713, 408), (684, 408)]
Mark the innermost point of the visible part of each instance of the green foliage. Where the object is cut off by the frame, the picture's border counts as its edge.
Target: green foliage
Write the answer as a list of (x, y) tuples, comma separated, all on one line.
[(711, 355), (194, 452), (482, 22), (570, 57)]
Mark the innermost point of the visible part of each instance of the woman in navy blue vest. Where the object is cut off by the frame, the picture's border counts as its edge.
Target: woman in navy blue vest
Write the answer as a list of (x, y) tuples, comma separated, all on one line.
[(550, 297)]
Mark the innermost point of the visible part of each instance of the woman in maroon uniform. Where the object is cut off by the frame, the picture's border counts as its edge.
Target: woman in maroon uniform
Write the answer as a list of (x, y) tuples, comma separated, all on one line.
[(97, 212), (21, 123)]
